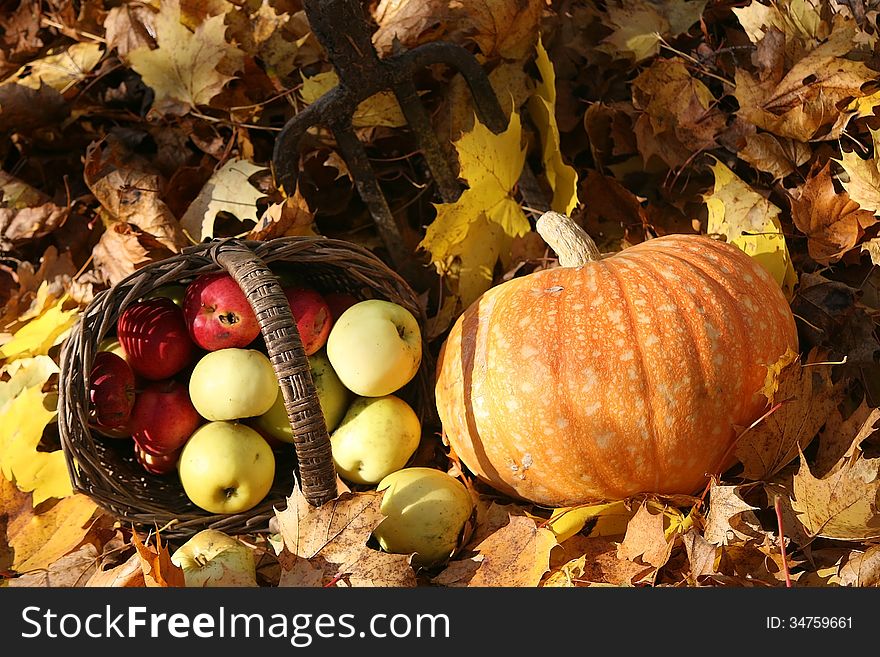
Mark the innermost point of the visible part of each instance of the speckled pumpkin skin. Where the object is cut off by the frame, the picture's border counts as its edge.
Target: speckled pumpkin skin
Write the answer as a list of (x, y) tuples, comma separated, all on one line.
[(627, 375)]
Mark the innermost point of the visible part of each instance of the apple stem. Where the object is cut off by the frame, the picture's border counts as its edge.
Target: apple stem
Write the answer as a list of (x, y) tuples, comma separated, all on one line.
[(571, 243)]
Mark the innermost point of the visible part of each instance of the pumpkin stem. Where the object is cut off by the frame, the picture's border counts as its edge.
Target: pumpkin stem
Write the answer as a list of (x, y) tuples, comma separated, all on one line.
[(571, 243)]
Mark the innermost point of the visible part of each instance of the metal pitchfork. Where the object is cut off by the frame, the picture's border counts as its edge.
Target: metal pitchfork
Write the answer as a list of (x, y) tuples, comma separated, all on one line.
[(341, 27)]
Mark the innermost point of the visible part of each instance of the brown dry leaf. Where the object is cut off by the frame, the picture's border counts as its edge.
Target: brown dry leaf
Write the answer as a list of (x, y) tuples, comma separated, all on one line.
[(831, 220), (129, 27), (777, 156), (861, 568), (25, 213), (639, 27), (702, 555), (592, 561), (609, 201), (61, 69), (184, 71), (333, 539), (25, 109), (806, 396), (517, 554), (125, 248), (730, 518), (129, 193), (410, 23), (71, 570), (749, 564), (802, 103), (289, 218), (679, 116), (646, 539), (38, 287), (840, 439), (126, 575), (159, 571), (842, 505), (501, 28)]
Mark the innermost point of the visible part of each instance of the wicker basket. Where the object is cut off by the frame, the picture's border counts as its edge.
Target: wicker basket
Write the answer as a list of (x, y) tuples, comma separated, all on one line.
[(106, 469)]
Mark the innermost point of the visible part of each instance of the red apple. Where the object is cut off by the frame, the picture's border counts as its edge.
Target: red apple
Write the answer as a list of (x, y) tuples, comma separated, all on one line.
[(218, 314), (153, 334), (111, 390), (339, 302), (156, 463), (163, 417), (312, 315)]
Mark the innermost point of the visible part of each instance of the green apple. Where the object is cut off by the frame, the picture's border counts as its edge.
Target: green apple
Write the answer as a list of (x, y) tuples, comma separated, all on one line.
[(375, 347), (333, 398), (426, 510), (233, 383), (211, 558), (377, 436), (174, 291), (226, 467), (111, 344)]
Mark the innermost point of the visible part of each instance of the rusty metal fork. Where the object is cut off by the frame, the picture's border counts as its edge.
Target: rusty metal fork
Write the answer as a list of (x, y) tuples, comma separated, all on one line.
[(341, 27)]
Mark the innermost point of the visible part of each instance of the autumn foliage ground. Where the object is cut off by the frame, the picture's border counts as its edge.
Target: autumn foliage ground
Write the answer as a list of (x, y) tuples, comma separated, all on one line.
[(129, 130)]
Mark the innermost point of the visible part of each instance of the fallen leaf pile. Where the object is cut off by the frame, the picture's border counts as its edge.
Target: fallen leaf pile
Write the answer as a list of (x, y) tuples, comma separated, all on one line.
[(129, 131)]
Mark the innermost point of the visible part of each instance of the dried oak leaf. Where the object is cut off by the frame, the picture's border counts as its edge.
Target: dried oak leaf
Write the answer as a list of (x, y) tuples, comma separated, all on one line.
[(831, 220), (184, 70), (800, 399), (125, 248), (803, 102), (843, 504), (329, 543), (517, 554), (679, 116), (646, 539), (730, 517)]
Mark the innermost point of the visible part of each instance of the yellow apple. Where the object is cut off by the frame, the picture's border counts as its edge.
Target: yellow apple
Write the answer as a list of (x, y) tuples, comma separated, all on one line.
[(377, 436), (226, 467), (375, 347), (332, 396), (233, 383), (211, 558), (426, 510)]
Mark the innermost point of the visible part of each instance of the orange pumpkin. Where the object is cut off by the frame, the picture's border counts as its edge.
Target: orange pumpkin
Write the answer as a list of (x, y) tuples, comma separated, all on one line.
[(604, 378)]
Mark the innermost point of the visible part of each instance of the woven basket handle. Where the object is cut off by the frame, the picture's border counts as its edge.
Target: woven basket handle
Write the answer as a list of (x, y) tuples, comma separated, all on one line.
[(317, 474)]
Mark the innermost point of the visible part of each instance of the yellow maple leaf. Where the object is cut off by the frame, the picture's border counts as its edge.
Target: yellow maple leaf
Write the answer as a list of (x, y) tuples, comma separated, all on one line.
[(611, 519), (60, 70), (486, 215), (183, 71), (542, 108), (751, 222), (639, 27), (25, 373), (379, 109), (863, 184), (22, 422), (41, 333)]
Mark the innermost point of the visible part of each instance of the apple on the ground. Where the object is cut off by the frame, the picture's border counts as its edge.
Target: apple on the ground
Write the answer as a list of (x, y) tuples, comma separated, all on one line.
[(226, 467), (154, 336), (377, 436), (375, 347), (426, 510), (233, 383), (157, 464), (111, 390), (312, 317), (218, 314), (333, 397), (211, 558), (163, 417)]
